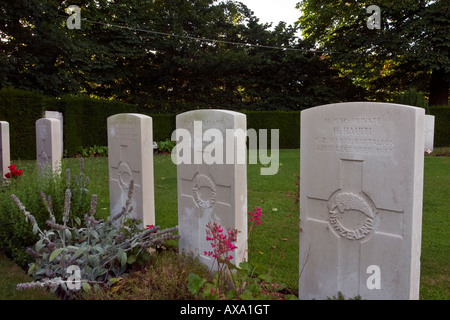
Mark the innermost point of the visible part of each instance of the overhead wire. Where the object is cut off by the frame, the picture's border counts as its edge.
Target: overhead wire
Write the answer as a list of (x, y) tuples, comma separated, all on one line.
[(199, 38)]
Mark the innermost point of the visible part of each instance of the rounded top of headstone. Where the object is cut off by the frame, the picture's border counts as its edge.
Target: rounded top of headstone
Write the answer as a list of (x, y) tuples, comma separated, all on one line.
[(365, 104), (128, 115), (228, 118), (47, 120)]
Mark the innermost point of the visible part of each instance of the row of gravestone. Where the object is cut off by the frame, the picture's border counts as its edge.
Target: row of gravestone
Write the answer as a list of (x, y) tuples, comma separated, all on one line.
[(361, 188), (49, 142)]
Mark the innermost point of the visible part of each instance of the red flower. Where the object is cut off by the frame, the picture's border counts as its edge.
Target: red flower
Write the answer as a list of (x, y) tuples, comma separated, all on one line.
[(13, 172)]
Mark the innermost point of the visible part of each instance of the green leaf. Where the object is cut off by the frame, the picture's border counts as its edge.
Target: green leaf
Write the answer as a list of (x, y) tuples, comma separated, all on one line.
[(35, 228), (113, 281), (55, 253), (195, 283), (32, 268), (131, 259), (39, 245), (122, 256), (99, 249), (79, 252), (86, 286), (95, 234), (247, 295), (94, 261), (254, 288), (231, 294), (50, 233), (77, 220)]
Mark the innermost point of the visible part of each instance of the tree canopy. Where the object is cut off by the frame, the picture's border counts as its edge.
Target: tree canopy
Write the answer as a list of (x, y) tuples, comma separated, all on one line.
[(410, 49), (165, 55)]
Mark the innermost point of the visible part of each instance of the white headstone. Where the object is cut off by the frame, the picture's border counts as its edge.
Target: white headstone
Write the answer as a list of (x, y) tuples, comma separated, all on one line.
[(130, 156), (361, 172), (59, 116), (429, 133), (48, 145), (212, 179), (4, 148)]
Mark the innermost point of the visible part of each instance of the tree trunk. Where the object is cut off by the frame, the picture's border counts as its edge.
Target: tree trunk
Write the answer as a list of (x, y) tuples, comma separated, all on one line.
[(439, 85)]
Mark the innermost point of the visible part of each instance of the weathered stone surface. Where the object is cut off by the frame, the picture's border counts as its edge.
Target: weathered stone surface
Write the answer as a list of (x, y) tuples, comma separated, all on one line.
[(130, 156), (48, 145), (361, 201), (212, 180)]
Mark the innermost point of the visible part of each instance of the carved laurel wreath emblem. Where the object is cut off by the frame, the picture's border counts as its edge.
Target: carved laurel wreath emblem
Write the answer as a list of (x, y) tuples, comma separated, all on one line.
[(124, 175), (202, 182)]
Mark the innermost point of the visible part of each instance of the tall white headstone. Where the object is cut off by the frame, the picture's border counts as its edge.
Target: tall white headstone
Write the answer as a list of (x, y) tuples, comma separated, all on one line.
[(4, 148), (429, 133), (130, 156), (48, 145), (361, 172), (212, 179), (59, 116)]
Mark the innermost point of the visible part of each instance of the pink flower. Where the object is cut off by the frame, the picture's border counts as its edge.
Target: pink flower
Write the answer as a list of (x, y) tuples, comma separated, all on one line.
[(256, 216), (222, 244)]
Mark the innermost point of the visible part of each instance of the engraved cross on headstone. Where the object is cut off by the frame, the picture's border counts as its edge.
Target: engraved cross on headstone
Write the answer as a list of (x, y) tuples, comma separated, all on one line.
[(210, 189), (43, 159), (130, 157), (353, 220), (206, 193), (122, 173)]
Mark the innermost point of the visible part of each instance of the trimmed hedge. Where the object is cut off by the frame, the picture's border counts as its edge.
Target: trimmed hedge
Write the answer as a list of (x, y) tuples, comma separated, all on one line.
[(85, 122), (441, 125), (21, 109), (163, 126), (287, 122)]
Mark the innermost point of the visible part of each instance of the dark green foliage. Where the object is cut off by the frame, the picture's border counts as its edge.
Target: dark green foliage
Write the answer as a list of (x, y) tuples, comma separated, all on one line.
[(441, 125), (166, 146), (94, 151), (21, 109), (85, 121), (163, 126), (170, 63), (101, 250), (84, 125), (413, 97), (410, 49), (287, 122), (15, 233)]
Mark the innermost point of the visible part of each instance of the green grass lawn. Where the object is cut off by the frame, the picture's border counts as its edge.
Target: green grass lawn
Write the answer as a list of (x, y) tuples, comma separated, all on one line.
[(11, 275), (274, 243)]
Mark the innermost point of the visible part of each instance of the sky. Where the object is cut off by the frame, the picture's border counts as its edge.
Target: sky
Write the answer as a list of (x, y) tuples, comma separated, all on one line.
[(274, 10)]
